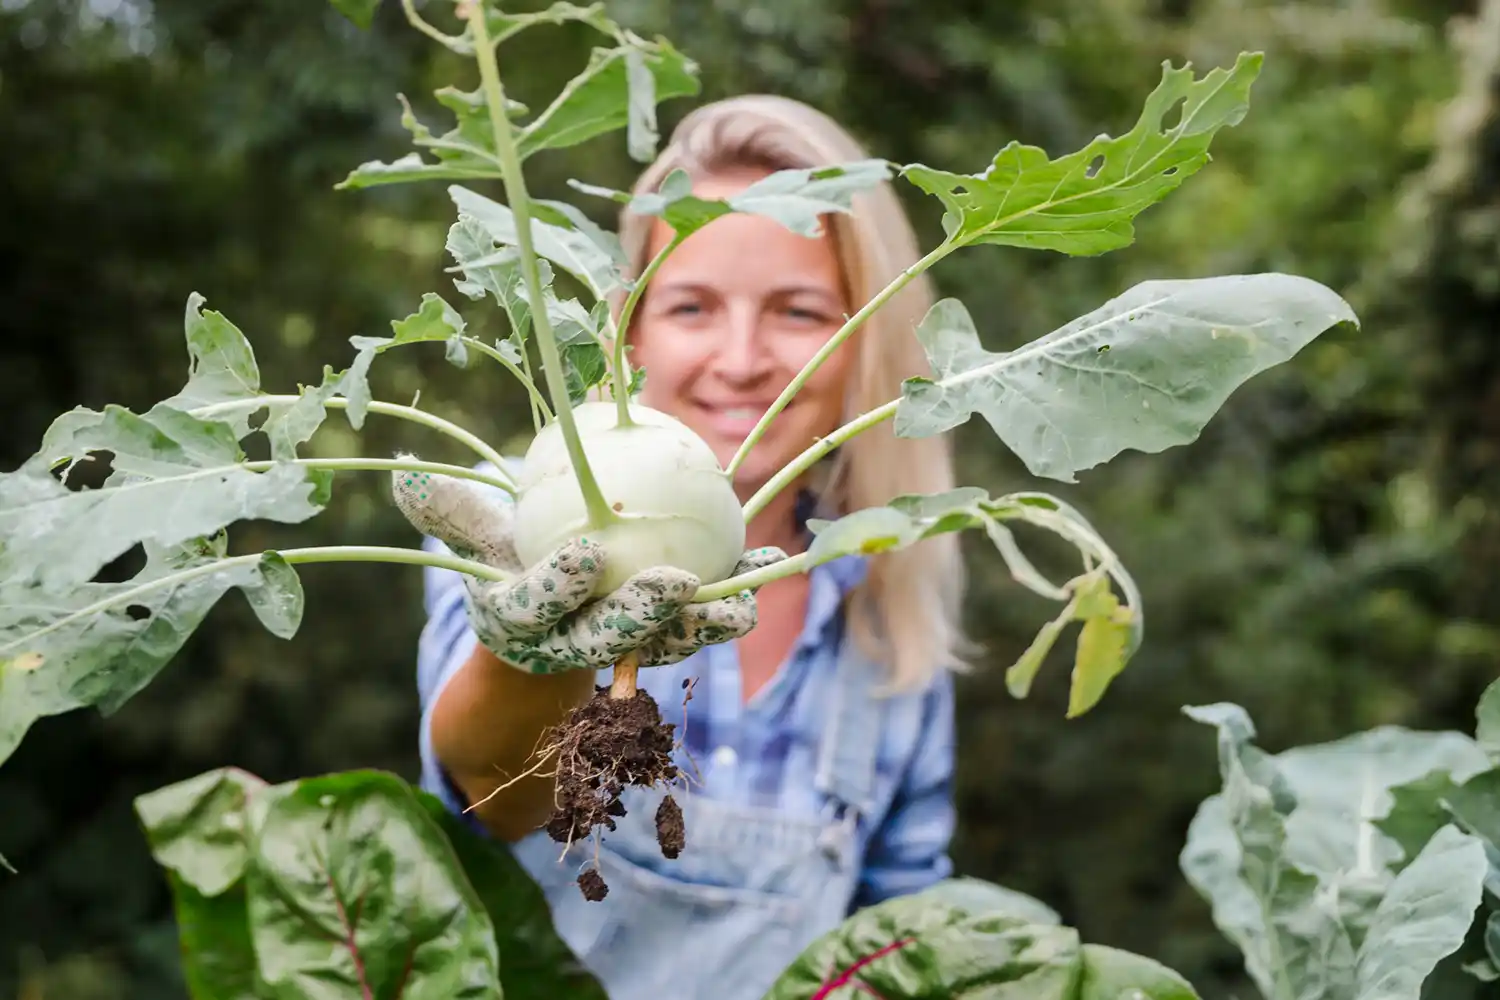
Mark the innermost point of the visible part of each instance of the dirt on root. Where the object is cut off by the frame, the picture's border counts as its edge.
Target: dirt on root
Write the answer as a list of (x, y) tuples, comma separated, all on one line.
[(602, 747)]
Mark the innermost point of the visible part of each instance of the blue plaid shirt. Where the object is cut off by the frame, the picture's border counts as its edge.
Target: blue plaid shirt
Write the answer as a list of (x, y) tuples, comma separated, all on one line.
[(761, 753)]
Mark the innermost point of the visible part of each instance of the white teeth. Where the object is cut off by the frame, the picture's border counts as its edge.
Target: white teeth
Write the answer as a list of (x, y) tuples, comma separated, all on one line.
[(741, 414)]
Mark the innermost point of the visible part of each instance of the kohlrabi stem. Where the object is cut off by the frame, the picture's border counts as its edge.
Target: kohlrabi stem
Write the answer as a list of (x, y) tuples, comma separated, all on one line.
[(622, 326), (598, 508), (388, 465), (755, 578), (319, 554), (853, 323), (411, 413), (797, 466), (537, 399)]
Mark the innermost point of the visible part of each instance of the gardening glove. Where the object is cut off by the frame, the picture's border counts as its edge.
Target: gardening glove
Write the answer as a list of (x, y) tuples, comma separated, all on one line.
[(542, 619)]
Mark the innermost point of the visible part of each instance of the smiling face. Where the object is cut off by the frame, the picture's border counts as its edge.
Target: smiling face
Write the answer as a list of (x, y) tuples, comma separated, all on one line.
[(727, 322)]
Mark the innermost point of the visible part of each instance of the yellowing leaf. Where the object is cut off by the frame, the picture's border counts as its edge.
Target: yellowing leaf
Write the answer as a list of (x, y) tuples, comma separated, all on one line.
[(1102, 644)]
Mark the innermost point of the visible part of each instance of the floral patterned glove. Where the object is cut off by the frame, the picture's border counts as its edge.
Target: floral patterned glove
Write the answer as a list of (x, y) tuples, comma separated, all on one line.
[(542, 619)]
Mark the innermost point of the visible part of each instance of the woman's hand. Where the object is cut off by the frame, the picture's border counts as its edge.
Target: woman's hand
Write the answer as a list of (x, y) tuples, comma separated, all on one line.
[(541, 620)]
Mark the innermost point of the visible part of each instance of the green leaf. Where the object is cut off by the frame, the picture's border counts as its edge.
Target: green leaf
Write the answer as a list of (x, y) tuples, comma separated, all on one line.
[(197, 831), (465, 152), (1487, 719), (354, 890), (1113, 974), (1418, 810), (1102, 643), (361, 12), (502, 25), (1111, 632), (1423, 918), (221, 365), (619, 88), (534, 960), (1146, 370), (569, 249), (1084, 203), (99, 644), (938, 943), (798, 199), (175, 478), (1289, 853)]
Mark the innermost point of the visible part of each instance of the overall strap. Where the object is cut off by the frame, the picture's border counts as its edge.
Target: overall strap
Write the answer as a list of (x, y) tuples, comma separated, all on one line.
[(846, 765)]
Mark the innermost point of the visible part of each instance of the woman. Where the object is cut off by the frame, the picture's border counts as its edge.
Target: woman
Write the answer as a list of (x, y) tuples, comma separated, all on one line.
[(819, 739)]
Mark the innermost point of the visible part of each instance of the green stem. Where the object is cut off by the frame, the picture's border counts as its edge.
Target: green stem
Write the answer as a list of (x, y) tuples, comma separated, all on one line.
[(598, 508), (537, 399), (415, 20), (319, 554), (791, 566), (853, 323), (387, 465), (374, 406), (797, 466), (622, 327)]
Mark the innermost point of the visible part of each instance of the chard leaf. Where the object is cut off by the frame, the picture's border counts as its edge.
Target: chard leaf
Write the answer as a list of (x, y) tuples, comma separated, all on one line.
[(937, 944), (1111, 631), (98, 644), (1147, 370), (1084, 203), (176, 477), (354, 890), (197, 832), (1423, 918), (568, 248), (798, 199), (619, 88), (534, 960), (464, 152)]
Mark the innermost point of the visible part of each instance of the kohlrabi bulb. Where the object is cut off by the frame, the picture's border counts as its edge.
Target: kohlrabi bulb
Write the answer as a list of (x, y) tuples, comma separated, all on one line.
[(675, 505)]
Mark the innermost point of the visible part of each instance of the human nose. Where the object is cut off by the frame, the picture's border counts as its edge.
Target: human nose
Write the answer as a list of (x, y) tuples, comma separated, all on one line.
[(740, 351)]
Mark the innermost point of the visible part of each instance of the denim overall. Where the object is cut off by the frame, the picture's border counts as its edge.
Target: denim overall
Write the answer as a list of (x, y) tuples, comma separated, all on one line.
[(751, 888)]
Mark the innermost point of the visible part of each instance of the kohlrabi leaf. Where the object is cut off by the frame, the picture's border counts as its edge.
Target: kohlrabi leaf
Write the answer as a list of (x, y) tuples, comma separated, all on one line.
[(465, 152), (798, 199), (197, 831), (1111, 630), (619, 88), (504, 24), (434, 320), (361, 12), (568, 248), (98, 644), (931, 946), (353, 890), (1487, 721), (175, 477), (221, 365), (1145, 371), (535, 963), (1291, 857), (1084, 203), (1423, 917)]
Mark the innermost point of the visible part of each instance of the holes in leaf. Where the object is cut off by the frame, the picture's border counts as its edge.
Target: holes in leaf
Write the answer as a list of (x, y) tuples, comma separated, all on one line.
[(1096, 165), (138, 612), (1169, 172), (1102, 348), (1172, 117)]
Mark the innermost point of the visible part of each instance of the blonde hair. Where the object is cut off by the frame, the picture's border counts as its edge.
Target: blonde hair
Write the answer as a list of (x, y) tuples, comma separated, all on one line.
[(905, 614)]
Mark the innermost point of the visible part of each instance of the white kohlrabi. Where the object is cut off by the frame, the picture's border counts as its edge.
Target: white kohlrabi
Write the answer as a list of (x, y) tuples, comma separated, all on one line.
[(673, 503)]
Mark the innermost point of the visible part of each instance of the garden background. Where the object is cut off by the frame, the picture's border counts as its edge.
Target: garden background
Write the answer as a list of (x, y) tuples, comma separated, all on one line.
[(1325, 555)]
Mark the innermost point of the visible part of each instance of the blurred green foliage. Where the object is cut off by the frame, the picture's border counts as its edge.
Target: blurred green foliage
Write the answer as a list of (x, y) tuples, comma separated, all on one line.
[(1321, 556)]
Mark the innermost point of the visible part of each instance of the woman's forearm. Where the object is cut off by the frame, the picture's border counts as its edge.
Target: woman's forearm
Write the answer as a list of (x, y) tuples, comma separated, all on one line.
[(488, 727)]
